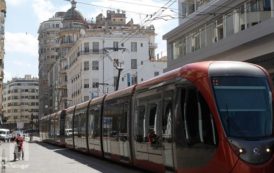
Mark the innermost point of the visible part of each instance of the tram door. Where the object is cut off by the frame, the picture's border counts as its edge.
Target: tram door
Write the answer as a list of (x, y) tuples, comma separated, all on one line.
[(195, 130), (115, 129), (147, 128)]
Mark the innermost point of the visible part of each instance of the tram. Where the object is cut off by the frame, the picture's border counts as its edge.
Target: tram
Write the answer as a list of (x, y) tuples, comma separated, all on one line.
[(204, 117)]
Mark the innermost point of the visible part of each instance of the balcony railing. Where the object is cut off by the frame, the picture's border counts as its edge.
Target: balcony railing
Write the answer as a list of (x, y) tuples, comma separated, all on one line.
[(90, 51)]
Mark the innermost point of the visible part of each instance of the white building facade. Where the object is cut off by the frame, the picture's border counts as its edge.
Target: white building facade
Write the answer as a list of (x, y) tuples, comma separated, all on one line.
[(222, 30), (90, 54), (94, 62), (21, 100)]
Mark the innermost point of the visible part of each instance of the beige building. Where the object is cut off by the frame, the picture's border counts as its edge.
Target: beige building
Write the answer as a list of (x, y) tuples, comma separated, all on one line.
[(2, 51), (223, 30), (49, 48), (20, 101)]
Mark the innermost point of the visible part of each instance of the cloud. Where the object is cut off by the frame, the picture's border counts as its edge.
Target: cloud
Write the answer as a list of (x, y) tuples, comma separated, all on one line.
[(8, 76), (15, 2), (21, 43), (45, 9)]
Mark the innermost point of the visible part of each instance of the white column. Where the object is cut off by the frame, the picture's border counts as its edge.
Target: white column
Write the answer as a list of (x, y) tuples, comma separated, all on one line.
[(236, 21), (245, 15), (272, 8)]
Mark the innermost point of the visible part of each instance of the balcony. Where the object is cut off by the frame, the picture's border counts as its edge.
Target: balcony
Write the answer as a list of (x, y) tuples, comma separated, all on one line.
[(91, 51)]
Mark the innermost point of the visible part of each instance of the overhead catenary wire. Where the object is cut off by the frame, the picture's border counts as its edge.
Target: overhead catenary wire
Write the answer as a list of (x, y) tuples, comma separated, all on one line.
[(139, 4), (149, 19)]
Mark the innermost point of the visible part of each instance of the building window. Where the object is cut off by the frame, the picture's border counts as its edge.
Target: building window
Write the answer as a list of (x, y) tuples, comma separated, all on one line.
[(156, 73), (115, 45), (86, 65), (86, 47), (86, 83), (179, 48), (134, 80), (95, 47), (195, 41), (95, 83), (229, 29), (133, 46), (86, 98), (95, 65), (133, 63), (220, 30)]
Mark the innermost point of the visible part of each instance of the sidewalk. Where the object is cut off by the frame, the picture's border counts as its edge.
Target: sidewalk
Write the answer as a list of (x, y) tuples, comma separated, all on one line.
[(44, 158)]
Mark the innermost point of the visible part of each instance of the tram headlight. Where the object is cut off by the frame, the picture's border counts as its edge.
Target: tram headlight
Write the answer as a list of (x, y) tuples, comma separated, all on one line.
[(237, 149), (268, 150)]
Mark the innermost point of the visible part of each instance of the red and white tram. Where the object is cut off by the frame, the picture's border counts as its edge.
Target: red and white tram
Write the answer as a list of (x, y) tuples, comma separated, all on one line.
[(205, 117)]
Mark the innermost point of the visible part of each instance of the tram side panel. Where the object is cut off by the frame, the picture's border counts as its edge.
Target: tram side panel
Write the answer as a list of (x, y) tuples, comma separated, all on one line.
[(52, 129), (44, 129)]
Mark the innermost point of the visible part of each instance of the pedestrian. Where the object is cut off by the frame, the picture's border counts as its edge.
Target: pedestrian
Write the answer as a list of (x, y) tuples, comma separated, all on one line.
[(19, 150)]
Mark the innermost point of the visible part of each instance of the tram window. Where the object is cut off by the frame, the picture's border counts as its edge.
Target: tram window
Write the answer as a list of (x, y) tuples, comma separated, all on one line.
[(79, 124), (94, 121), (166, 120), (140, 124), (76, 130), (83, 123), (116, 119), (191, 117), (198, 120), (123, 119), (68, 125), (208, 128), (152, 115)]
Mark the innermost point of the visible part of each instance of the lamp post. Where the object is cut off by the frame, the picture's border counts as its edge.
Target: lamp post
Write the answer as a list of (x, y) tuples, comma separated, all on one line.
[(32, 121)]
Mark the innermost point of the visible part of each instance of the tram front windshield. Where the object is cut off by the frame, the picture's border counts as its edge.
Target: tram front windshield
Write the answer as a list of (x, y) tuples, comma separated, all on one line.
[(245, 106)]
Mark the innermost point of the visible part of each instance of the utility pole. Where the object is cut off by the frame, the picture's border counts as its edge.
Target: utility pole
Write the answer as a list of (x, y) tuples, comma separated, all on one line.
[(116, 63), (119, 68)]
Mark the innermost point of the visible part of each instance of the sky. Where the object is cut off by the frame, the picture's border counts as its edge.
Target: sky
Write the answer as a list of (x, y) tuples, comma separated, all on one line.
[(24, 17)]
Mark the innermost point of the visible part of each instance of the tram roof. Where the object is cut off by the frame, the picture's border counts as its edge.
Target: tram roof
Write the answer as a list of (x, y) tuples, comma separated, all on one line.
[(190, 71), (70, 109), (121, 93), (97, 100), (82, 105)]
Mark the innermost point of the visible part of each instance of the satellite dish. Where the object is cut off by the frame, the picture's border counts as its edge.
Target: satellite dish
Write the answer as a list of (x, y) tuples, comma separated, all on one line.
[(82, 32)]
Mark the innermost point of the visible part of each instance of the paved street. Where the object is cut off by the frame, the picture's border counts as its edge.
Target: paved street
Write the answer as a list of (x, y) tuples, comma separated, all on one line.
[(44, 158)]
